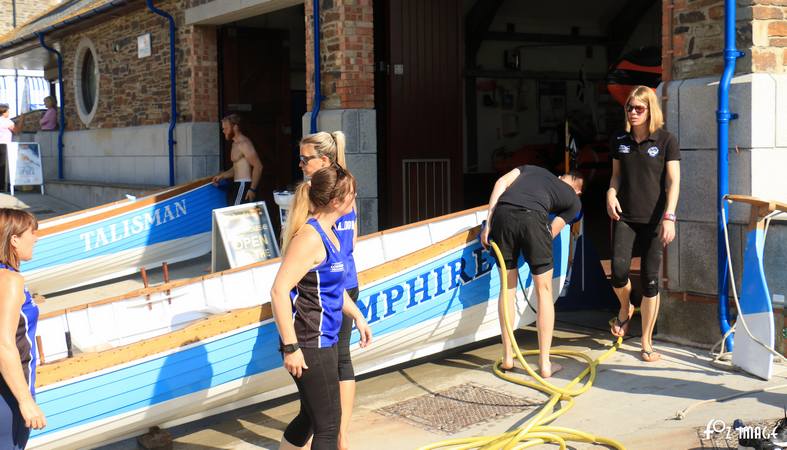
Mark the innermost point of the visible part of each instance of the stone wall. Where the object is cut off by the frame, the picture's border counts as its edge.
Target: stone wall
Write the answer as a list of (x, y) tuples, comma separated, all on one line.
[(25, 11), (346, 54), (698, 37), (757, 152), (136, 91)]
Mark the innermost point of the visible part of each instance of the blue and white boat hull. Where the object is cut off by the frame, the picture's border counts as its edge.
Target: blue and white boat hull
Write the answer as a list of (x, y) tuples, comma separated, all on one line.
[(206, 345)]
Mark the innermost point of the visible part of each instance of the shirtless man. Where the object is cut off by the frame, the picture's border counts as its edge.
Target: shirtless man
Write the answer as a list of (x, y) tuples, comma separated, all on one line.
[(246, 165)]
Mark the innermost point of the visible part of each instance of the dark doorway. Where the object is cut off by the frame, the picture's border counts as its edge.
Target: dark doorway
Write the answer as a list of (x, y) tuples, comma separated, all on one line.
[(419, 103), (255, 83)]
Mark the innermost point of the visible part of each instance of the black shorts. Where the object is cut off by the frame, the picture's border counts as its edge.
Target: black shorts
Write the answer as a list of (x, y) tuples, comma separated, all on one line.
[(346, 372), (517, 230), (237, 193)]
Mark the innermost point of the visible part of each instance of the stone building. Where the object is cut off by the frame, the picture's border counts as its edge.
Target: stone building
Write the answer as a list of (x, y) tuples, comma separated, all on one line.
[(435, 98)]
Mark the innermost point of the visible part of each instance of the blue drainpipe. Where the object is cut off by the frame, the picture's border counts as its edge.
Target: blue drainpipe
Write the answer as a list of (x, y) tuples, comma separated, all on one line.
[(173, 115), (723, 117), (317, 69), (62, 121)]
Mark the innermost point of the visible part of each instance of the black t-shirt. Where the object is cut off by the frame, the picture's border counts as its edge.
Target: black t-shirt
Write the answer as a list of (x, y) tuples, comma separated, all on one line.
[(643, 170), (538, 189)]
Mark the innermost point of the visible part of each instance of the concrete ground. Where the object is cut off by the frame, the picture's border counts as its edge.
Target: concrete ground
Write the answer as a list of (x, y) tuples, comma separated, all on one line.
[(631, 401), (43, 206)]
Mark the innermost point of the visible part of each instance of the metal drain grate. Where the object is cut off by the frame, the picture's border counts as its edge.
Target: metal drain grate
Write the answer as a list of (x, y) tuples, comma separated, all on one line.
[(458, 408)]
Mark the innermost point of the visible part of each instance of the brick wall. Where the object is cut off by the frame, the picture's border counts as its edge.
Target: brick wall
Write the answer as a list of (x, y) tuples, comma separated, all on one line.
[(25, 10), (698, 37), (347, 54), (134, 91)]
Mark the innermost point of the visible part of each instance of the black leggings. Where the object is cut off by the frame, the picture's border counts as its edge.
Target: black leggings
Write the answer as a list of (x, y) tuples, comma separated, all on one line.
[(321, 411), (13, 432), (346, 372), (647, 237)]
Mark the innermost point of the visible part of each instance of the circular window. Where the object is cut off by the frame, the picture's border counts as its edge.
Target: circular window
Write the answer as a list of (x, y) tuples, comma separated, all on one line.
[(86, 81)]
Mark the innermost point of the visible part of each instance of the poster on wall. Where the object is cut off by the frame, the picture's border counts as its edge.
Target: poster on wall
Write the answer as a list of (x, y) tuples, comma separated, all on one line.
[(24, 165), (551, 104), (242, 235)]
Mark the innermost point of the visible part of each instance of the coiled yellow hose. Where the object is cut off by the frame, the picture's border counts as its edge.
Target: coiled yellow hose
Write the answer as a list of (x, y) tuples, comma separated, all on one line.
[(536, 431)]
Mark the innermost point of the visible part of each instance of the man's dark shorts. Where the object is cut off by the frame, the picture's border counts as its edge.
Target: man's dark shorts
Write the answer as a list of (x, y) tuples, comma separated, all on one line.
[(517, 230)]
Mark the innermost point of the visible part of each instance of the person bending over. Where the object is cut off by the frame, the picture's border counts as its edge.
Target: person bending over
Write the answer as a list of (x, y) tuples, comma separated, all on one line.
[(518, 221)]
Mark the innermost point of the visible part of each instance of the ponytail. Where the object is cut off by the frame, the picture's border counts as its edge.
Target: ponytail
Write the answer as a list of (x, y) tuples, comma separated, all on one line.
[(327, 184), (297, 215), (340, 140)]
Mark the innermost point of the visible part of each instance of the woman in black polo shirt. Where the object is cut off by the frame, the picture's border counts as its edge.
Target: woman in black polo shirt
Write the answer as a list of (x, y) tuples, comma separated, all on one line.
[(641, 201)]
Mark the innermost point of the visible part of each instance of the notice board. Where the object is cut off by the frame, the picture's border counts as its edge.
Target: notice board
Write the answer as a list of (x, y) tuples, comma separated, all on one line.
[(242, 235), (24, 165)]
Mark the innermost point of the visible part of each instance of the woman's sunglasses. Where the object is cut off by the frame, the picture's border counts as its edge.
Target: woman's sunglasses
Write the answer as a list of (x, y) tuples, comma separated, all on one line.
[(305, 159), (638, 108)]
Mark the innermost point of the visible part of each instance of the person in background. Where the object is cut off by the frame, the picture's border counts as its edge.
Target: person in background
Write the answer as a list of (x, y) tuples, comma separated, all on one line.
[(18, 320), (309, 299), (48, 121), (641, 201), (7, 129), (246, 169), (317, 151)]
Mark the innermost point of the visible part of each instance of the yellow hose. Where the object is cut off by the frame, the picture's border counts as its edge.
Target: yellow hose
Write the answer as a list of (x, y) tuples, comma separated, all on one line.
[(536, 431)]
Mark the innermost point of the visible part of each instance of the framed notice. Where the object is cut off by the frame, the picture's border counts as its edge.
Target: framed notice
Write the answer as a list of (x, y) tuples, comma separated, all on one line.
[(24, 165), (242, 235)]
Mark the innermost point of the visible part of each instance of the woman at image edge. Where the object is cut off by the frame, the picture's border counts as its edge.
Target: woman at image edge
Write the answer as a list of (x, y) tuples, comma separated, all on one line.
[(641, 201), (18, 319), (309, 299)]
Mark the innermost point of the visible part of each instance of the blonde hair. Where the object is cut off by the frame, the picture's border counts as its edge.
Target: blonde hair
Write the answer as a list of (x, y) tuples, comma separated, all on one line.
[(326, 184), (647, 96), (330, 145), (51, 99), (13, 222)]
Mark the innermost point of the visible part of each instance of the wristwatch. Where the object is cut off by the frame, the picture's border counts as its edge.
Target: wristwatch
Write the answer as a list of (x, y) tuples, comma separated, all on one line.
[(670, 216), (290, 348)]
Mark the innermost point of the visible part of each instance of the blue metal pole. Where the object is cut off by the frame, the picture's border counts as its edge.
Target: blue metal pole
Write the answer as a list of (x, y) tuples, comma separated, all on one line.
[(173, 116), (317, 69), (62, 121), (723, 117)]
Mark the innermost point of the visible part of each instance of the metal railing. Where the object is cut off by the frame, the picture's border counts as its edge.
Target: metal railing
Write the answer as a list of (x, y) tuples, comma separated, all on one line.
[(426, 188)]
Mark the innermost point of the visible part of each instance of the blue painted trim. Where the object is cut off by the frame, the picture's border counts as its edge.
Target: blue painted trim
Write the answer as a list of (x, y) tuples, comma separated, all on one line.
[(173, 95), (61, 107), (317, 69), (755, 297), (723, 117)]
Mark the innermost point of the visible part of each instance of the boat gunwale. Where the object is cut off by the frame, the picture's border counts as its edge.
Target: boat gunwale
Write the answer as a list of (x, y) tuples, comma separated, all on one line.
[(91, 362), (186, 281), (118, 208)]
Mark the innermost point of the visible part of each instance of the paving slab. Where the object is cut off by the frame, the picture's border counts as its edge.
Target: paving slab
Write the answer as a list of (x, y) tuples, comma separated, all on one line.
[(43, 206)]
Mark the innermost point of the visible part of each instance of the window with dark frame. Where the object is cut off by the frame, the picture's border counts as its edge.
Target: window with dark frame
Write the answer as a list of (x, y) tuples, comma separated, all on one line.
[(88, 81)]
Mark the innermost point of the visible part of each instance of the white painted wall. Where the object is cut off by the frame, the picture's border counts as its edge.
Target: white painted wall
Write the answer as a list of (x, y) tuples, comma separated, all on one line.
[(136, 155)]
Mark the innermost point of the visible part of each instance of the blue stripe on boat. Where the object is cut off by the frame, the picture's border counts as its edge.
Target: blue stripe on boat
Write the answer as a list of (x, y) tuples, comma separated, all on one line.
[(71, 246)]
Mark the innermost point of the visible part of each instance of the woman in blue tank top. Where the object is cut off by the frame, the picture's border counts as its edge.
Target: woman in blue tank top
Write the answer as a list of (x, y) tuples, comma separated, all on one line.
[(317, 151), (18, 319), (309, 299)]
